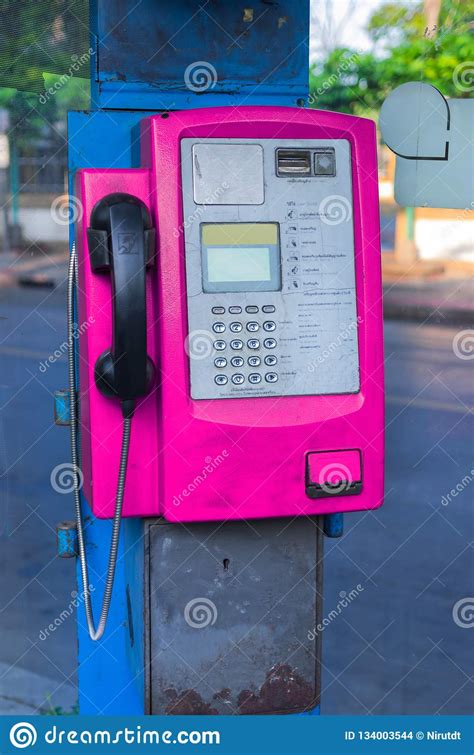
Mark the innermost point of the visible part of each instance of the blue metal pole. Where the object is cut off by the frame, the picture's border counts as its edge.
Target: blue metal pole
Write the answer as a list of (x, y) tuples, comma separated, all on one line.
[(258, 59)]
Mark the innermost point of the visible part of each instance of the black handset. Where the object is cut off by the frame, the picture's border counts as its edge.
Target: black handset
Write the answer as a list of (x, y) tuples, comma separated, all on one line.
[(122, 241)]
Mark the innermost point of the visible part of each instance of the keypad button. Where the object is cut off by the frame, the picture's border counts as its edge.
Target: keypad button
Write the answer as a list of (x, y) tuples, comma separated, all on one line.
[(218, 327), (236, 344), (221, 379), (218, 310), (253, 343), (271, 377), (268, 308), (271, 360), (255, 378), (237, 379), (237, 361), (252, 326), (235, 327), (220, 362), (254, 361), (269, 326), (251, 309), (219, 345), (269, 343), (235, 310)]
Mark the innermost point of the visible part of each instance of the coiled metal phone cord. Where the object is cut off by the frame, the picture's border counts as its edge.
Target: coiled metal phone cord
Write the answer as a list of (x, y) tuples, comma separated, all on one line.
[(95, 634)]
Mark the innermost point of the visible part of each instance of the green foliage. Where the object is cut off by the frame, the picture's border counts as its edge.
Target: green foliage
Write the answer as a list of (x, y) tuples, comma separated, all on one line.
[(57, 710), (43, 52), (402, 50)]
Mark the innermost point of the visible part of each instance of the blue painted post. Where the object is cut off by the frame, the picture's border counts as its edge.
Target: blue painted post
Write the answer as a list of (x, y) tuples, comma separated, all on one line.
[(333, 525), (258, 57)]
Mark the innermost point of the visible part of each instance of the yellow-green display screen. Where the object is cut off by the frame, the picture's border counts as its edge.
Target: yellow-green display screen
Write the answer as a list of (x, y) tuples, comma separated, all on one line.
[(240, 257)]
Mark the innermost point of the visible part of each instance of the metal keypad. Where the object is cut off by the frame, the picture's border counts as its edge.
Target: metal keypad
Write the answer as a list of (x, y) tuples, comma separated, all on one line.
[(247, 358)]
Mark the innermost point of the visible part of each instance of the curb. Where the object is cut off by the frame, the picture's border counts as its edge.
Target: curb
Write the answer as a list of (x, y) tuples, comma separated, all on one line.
[(427, 315)]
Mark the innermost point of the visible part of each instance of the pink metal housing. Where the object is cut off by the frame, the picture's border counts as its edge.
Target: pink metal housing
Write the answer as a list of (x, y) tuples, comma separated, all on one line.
[(240, 458), (100, 417)]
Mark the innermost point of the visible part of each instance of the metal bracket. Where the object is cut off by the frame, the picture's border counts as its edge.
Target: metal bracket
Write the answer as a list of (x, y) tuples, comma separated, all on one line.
[(62, 407)]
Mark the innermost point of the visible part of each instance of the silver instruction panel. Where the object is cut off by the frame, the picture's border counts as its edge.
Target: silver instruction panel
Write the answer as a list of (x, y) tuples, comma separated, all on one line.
[(270, 276)]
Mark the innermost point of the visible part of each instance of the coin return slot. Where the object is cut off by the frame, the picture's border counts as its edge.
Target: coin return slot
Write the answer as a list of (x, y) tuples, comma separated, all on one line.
[(293, 162)]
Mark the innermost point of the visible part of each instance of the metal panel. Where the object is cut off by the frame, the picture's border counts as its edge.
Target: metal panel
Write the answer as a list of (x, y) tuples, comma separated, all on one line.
[(223, 634), (315, 310), (223, 52), (227, 173)]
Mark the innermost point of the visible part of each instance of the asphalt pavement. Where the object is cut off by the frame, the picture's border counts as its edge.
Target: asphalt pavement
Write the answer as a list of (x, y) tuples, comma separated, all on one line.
[(396, 648)]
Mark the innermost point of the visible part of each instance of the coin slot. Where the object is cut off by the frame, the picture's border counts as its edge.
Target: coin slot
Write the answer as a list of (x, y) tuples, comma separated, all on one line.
[(293, 162)]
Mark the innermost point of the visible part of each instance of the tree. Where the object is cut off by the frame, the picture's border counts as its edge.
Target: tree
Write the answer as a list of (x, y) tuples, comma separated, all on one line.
[(44, 49), (403, 49)]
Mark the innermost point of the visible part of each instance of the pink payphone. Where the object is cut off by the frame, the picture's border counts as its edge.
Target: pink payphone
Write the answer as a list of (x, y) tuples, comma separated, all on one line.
[(232, 292)]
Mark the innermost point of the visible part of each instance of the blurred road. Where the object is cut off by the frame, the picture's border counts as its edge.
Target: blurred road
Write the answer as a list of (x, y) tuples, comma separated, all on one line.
[(394, 649)]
